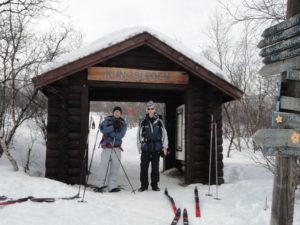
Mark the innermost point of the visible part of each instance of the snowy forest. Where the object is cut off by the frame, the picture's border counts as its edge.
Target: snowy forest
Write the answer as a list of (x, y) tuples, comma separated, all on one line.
[(28, 42)]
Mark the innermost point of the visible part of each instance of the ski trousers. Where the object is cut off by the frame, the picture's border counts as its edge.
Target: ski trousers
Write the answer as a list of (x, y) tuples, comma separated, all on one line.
[(148, 157), (109, 167)]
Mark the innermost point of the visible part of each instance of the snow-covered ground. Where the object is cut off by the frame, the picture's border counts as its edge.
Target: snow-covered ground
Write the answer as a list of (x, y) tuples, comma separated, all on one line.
[(243, 198)]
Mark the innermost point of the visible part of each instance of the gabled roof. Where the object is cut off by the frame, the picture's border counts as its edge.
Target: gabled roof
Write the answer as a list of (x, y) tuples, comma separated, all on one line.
[(124, 40)]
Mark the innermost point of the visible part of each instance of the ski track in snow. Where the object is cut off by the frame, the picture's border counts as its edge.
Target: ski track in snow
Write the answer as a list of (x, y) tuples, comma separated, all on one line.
[(242, 197)]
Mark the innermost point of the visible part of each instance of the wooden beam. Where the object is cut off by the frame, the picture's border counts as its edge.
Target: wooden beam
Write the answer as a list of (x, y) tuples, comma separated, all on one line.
[(137, 75)]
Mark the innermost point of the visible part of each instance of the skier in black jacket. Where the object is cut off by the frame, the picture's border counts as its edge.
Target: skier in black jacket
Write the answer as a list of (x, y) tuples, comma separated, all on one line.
[(152, 140)]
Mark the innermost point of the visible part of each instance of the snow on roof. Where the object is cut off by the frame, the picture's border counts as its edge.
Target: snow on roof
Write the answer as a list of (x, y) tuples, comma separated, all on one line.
[(125, 34)]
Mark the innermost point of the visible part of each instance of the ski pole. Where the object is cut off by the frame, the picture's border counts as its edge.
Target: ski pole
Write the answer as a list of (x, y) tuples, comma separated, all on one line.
[(123, 168), (210, 153), (87, 179), (91, 125), (216, 157)]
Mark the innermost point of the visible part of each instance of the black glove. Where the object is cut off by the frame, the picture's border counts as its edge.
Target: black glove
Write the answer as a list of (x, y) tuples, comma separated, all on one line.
[(117, 125)]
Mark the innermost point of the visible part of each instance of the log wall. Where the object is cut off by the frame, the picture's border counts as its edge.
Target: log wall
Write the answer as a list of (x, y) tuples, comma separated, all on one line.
[(67, 121), (202, 101)]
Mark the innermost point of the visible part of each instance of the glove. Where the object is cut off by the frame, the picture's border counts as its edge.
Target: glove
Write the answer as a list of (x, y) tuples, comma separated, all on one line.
[(117, 125)]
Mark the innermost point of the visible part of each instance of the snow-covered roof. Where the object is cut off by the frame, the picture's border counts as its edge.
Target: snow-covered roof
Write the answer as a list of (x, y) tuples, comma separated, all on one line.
[(125, 34)]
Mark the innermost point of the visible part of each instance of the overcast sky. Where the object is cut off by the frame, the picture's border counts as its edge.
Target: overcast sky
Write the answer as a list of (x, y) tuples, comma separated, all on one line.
[(184, 20)]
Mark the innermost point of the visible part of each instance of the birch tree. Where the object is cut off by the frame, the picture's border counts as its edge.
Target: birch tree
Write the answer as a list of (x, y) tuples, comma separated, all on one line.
[(22, 51), (238, 57)]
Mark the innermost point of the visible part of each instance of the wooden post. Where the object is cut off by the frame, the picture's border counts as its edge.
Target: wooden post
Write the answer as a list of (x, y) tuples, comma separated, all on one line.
[(283, 191), (284, 179), (293, 8)]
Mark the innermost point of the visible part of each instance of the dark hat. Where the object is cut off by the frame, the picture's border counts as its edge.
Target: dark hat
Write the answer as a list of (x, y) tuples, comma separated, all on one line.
[(117, 108)]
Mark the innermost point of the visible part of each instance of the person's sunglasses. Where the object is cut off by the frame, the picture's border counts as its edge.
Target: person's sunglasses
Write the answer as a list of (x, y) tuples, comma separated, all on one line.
[(150, 109)]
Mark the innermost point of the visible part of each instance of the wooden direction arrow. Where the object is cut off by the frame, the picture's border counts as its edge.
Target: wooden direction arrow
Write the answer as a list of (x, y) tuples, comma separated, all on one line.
[(280, 46), (282, 26), (291, 32), (290, 103), (289, 53), (282, 151), (281, 66), (285, 120), (291, 75), (277, 138)]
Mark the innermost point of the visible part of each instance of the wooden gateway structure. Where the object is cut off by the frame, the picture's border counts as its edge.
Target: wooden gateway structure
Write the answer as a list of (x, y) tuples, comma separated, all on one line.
[(135, 65)]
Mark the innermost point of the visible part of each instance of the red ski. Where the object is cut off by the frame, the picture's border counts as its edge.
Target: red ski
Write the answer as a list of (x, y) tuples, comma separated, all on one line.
[(198, 214), (171, 200), (177, 217), (13, 201)]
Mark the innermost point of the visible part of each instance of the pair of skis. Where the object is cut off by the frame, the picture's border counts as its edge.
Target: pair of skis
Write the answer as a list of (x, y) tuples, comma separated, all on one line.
[(6, 201), (177, 212), (178, 215)]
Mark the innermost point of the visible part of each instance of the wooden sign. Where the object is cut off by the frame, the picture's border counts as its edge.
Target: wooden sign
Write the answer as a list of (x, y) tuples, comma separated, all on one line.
[(282, 26), (289, 53), (280, 66), (281, 151), (290, 103), (137, 76), (277, 138), (285, 120), (287, 34), (291, 75), (280, 46)]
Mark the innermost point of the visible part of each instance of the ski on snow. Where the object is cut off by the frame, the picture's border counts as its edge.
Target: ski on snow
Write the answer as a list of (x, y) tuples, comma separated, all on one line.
[(105, 188), (197, 205), (171, 200), (185, 217), (13, 201), (177, 217), (33, 199)]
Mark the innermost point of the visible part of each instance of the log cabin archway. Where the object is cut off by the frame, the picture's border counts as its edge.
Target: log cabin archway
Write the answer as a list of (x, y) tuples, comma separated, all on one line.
[(133, 65)]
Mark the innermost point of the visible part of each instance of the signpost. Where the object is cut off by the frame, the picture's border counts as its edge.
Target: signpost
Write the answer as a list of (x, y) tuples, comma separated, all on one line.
[(281, 52)]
